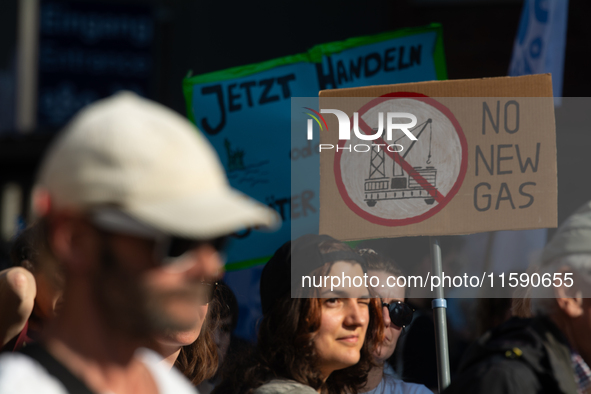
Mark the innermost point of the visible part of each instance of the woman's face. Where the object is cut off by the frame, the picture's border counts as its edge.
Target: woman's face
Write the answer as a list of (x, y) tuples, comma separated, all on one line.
[(184, 338), (345, 317), (392, 332)]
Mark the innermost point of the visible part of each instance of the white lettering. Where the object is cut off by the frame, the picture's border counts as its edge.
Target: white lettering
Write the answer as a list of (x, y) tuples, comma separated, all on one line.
[(371, 137), (391, 149), (402, 126), (344, 122)]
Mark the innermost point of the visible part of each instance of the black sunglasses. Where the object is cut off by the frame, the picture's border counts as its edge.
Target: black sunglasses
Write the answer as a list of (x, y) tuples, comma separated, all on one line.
[(174, 247), (400, 313), (206, 291), (167, 248)]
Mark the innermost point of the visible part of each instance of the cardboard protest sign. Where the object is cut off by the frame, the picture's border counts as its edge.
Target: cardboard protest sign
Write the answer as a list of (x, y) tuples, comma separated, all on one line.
[(480, 156), (245, 113)]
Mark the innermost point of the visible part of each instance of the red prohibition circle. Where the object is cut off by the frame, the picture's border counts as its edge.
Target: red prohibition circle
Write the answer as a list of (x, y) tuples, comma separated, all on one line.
[(440, 205)]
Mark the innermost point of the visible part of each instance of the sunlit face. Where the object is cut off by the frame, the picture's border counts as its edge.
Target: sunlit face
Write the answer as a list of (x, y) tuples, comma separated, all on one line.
[(171, 298), (580, 329), (392, 332), (171, 338), (345, 317)]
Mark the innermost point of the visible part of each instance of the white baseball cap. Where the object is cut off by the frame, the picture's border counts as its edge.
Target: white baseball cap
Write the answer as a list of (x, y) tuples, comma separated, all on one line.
[(139, 157)]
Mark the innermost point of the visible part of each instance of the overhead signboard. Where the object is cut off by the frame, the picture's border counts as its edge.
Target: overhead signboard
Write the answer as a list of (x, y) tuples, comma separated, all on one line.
[(88, 51)]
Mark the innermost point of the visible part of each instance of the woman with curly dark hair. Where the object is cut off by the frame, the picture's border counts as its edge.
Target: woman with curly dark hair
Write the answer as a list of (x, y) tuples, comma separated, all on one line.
[(321, 341)]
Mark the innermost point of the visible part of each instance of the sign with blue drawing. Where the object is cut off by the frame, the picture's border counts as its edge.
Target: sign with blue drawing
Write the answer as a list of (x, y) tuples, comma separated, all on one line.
[(245, 112)]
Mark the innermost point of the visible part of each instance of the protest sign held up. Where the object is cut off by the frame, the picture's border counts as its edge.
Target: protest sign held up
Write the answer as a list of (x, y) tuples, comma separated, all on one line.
[(484, 159)]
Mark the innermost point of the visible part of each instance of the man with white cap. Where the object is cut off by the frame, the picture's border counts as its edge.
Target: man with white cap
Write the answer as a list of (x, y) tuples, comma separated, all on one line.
[(551, 352), (135, 203)]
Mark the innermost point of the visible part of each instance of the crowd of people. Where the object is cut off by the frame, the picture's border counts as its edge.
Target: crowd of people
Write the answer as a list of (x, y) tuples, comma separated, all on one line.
[(116, 286)]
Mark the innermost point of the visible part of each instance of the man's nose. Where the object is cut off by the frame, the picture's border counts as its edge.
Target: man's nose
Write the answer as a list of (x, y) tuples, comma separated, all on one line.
[(208, 263)]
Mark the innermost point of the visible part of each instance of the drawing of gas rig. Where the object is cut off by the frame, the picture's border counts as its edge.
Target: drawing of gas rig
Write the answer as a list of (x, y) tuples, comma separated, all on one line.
[(401, 186)]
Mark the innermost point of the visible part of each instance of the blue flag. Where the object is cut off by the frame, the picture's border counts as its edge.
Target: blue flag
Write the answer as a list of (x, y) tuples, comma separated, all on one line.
[(541, 40)]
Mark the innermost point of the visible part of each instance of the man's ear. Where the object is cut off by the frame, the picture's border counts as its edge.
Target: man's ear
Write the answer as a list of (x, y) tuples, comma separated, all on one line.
[(40, 202), (569, 299), (71, 240)]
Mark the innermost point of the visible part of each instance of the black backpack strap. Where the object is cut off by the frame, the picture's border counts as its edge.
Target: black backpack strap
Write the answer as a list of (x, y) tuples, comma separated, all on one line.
[(56, 369)]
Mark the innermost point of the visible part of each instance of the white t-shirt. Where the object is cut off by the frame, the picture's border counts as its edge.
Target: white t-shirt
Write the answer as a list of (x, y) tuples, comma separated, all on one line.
[(391, 385), (20, 374)]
